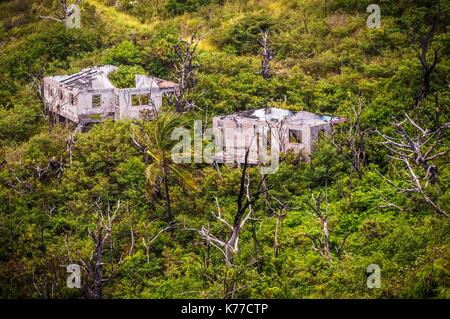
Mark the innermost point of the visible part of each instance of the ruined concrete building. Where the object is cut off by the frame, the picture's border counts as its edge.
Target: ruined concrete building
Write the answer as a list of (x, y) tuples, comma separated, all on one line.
[(90, 97), (265, 130)]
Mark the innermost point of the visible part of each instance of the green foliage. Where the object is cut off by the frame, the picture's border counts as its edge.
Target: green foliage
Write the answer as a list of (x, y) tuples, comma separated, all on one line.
[(54, 44), (242, 38), (325, 60), (124, 76), (124, 53), (19, 122), (176, 7), (158, 54)]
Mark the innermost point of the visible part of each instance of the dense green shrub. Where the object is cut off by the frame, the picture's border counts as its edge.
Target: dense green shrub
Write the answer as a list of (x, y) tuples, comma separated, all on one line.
[(326, 60), (125, 76), (244, 36), (176, 7), (125, 53)]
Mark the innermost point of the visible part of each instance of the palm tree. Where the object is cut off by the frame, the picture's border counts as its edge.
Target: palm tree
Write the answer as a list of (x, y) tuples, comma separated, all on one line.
[(157, 144)]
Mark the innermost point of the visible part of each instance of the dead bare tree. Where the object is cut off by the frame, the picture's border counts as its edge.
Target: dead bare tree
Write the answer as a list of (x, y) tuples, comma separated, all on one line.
[(228, 247), (71, 141), (94, 267), (340, 249), (276, 244), (36, 84), (425, 44), (17, 184), (65, 11), (322, 243), (416, 152), (266, 54), (387, 204), (279, 212), (186, 68), (353, 146), (42, 170), (47, 280), (147, 242)]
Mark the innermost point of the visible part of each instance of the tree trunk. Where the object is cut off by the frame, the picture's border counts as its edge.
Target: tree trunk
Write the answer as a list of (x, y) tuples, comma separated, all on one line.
[(326, 247), (232, 244), (166, 193), (276, 246), (426, 85), (98, 274)]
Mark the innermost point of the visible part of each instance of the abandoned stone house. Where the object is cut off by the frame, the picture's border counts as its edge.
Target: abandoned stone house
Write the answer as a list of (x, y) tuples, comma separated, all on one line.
[(90, 97), (265, 130)]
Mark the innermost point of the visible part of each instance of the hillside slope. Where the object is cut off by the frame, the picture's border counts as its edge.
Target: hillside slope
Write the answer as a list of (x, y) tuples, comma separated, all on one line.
[(55, 185)]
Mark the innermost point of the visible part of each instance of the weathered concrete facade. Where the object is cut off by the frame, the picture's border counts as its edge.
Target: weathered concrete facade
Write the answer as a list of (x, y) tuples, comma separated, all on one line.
[(264, 130), (90, 97)]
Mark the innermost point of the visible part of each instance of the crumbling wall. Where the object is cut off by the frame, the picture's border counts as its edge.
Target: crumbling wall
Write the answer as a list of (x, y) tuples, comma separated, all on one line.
[(130, 111), (237, 133), (65, 107), (109, 102), (316, 130), (89, 113)]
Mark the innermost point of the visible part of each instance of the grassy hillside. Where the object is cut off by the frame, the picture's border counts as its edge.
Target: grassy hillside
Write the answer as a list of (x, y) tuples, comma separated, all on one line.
[(326, 60)]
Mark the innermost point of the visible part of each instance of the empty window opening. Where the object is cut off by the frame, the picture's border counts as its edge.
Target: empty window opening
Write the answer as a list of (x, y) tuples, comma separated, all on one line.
[(321, 134), (96, 100), (269, 139), (295, 136), (71, 99), (140, 99)]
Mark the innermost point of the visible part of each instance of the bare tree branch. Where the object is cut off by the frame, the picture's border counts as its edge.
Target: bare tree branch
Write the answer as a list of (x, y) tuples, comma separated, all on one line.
[(416, 154), (266, 54)]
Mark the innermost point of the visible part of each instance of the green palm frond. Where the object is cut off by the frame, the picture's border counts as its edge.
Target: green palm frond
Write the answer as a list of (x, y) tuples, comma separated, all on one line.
[(152, 172), (186, 178), (156, 137), (156, 156), (157, 134), (164, 126)]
